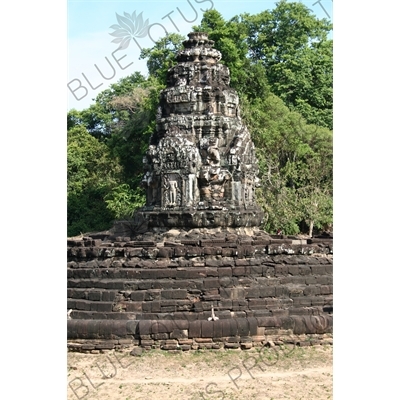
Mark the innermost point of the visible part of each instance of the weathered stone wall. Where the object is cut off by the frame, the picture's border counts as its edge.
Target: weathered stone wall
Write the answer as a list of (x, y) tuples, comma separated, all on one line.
[(152, 291)]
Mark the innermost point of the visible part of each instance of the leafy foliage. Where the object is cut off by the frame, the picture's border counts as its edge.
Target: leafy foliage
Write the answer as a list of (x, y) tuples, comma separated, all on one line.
[(91, 173), (161, 56), (281, 65), (295, 161), (122, 201), (117, 128), (293, 48)]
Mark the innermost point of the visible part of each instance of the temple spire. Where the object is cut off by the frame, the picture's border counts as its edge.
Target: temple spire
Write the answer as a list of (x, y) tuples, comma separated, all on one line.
[(200, 169)]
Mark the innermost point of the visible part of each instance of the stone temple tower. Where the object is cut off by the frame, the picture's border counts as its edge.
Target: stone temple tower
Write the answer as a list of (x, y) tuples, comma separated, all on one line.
[(200, 169), (155, 281)]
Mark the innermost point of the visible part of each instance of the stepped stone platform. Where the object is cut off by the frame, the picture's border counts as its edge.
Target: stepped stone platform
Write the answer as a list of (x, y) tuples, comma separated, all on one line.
[(165, 285)]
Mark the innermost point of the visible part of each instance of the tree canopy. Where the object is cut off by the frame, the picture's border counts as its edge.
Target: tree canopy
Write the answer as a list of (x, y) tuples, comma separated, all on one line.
[(281, 65), (293, 48)]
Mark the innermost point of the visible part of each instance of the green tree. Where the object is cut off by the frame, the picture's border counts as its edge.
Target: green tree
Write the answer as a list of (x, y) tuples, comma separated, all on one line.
[(247, 76), (295, 161), (161, 56), (293, 48), (91, 174)]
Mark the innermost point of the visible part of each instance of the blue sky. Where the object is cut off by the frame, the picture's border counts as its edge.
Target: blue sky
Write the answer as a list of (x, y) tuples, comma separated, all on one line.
[(90, 50)]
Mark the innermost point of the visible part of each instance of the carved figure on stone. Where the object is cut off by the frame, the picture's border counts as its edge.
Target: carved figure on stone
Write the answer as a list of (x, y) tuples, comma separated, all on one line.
[(181, 81), (173, 188), (205, 77), (159, 114)]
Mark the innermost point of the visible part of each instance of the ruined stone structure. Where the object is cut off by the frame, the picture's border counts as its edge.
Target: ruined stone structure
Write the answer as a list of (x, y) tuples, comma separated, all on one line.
[(200, 169), (193, 270)]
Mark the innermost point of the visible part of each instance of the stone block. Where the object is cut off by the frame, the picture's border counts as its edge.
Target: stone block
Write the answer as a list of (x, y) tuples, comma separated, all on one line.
[(311, 279), (191, 273), (205, 346), (239, 271), (104, 307), (241, 263), (210, 251), (217, 328), (94, 295), (108, 295), (318, 301), (280, 290), (295, 292), (194, 251), (304, 301), (243, 328), (297, 310), (194, 329), (225, 282), (318, 269), (210, 262), (329, 269), (165, 252), (267, 291), (71, 304), (312, 290), (212, 272), (179, 334), (248, 251), (174, 294), (146, 343), (167, 309), (228, 252), (109, 345), (280, 313), (179, 251), (224, 271), (211, 283), (327, 289), (207, 329), (253, 324), (145, 285), (138, 295), (232, 339), (293, 269), (161, 327), (281, 270), (257, 304), (304, 270), (155, 306), (252, 292), (231, 345), (211, 297), (229, 327), (83, 305), (152, 294), (328, 280), (237, 293), (268, 321)]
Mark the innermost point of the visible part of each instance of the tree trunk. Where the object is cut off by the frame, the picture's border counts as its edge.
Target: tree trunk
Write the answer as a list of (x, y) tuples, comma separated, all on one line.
[(311, 228)]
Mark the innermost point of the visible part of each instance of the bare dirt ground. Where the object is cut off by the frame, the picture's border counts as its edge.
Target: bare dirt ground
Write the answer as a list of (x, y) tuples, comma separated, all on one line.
[(268, 373)]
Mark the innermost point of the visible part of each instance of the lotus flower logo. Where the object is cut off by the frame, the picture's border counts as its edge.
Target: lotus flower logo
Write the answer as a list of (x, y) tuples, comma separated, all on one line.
[(130, 27)]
